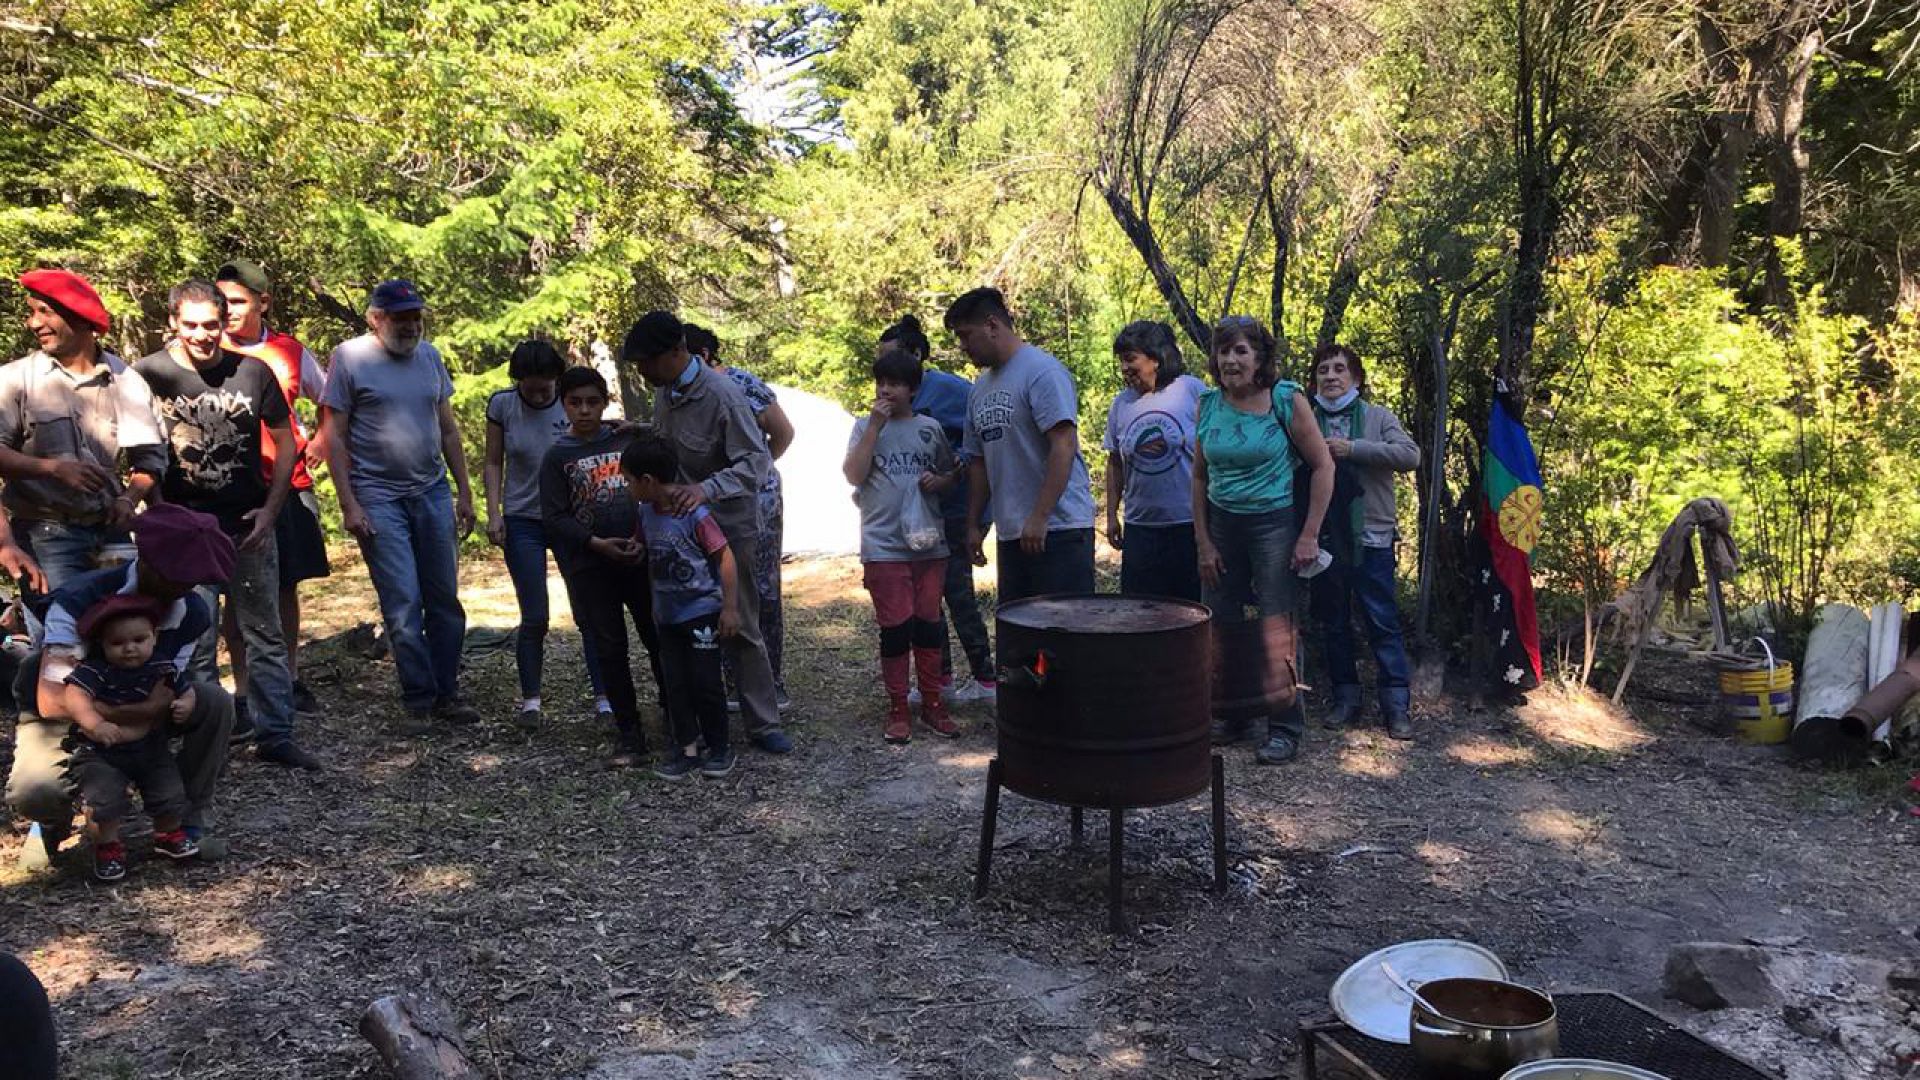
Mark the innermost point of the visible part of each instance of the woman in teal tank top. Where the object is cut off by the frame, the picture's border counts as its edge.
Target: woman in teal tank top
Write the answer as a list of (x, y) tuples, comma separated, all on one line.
[(1254, 431)]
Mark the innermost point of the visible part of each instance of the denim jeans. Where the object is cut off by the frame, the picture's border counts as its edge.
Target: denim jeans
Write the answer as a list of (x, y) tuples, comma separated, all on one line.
[(1334, 595), (526, 554), (254, 592), (963, 606), (66, 551), (1160, 560), (766, 577), (413, 561), (1256, 552), (1066, 566)]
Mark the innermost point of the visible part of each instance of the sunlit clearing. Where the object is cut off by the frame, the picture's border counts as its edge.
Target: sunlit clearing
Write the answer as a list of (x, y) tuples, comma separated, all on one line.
[(1559, 826), (483, 763), (435, 880), (966, 760), (1482, 752), (1369, 761), (1579, 717), (223, 947)]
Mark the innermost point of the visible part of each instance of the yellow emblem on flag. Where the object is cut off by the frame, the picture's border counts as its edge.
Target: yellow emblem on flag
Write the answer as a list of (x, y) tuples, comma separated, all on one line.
[(1520, 517)]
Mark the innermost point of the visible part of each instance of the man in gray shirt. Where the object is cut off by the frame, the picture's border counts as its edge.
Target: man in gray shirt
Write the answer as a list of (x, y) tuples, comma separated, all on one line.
[(723, 462), (1023, 446), (391, 439)]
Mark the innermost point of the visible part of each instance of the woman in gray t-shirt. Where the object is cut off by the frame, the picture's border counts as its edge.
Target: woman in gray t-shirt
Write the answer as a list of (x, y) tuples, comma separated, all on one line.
[(1149, 444), (522, 423)]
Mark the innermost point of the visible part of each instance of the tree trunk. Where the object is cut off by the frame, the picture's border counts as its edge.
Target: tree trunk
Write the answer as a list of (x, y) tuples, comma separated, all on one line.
[(1720, 193), (1283, 213), (1346, 267), (1147, 243), (1782, 106)]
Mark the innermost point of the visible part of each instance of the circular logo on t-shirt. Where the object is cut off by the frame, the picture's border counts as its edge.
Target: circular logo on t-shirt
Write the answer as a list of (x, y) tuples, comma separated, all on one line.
[(1155, 440)]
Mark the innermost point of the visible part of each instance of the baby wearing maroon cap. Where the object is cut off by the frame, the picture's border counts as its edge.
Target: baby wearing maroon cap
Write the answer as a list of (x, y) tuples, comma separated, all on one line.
[(120, 669)]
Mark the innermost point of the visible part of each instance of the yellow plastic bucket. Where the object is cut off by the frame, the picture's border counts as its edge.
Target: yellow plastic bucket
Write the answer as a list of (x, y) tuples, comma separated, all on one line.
[(1760, 700)]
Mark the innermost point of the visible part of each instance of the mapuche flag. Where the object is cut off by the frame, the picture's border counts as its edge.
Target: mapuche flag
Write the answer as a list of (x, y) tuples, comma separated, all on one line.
[(1510, 517)]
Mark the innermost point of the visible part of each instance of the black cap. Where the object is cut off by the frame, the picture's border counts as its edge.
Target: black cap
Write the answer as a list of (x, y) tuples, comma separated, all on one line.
[(246, 272)]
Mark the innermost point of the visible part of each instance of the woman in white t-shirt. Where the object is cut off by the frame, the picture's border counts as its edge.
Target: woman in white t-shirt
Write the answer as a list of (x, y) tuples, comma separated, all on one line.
[(1149, 444), (522, 423)]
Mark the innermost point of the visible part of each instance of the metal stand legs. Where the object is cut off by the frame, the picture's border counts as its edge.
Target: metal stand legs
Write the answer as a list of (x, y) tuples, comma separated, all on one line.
[(1116, 839)]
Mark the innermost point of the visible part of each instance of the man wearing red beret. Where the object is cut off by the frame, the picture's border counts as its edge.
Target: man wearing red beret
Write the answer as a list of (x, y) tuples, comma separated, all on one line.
[(67, 413)]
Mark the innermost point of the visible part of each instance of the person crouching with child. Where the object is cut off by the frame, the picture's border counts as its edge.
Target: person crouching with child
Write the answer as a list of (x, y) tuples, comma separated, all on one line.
[(109, 754), (899, 463)]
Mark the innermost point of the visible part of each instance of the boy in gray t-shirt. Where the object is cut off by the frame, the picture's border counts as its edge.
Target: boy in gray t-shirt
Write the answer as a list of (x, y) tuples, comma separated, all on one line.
[(899, 463)]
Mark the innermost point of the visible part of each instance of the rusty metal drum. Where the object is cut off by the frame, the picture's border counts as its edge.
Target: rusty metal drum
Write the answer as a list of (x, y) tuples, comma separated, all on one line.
[(1104, 700)]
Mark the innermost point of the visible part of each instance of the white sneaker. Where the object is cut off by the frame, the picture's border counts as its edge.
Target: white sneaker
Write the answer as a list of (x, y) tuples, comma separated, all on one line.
[(968, 690)]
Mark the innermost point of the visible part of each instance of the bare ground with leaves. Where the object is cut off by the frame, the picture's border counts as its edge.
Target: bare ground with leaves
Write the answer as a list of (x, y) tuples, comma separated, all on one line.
[(811, 915)]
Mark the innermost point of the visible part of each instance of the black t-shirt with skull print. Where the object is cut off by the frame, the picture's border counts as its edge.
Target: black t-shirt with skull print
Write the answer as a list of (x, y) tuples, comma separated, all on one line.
[(213, 417)]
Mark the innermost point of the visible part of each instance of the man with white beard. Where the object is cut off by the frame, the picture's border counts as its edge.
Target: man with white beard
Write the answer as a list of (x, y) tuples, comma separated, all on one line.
[(391, 440)]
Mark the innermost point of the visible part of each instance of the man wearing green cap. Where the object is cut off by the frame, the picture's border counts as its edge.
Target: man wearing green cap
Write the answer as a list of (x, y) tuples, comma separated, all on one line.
[(302, 543)]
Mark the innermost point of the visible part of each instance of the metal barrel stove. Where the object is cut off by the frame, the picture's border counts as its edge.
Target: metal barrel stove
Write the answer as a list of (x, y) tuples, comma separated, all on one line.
[(1104, 704)]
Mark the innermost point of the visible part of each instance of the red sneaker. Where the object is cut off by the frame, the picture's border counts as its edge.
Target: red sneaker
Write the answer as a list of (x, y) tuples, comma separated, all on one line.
[(933, 713), (899, 728), (109, 861), (175, 845)]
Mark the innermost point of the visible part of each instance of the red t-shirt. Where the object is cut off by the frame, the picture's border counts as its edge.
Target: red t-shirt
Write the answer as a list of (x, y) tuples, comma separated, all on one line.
[(282, 353)]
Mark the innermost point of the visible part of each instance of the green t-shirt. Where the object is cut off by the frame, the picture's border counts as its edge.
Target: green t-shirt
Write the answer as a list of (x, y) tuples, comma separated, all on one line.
[(1250, 458)]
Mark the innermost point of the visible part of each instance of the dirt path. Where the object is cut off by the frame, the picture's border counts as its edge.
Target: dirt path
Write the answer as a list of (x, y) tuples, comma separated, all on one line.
[(811, 916)]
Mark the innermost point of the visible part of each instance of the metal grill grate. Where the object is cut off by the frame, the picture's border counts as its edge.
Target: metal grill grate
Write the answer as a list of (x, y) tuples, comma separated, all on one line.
[(1605, 1026)]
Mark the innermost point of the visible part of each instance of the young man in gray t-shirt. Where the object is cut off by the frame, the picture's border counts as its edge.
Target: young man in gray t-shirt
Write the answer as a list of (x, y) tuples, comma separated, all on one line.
[(1023, 446)]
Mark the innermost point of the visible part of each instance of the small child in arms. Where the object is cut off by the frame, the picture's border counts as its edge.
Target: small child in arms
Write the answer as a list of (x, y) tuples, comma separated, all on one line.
[(109, 749)]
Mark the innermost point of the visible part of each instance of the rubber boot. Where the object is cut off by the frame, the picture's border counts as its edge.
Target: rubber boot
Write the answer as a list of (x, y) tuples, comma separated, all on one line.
[(933, 706), (1396, 707), (894, 674), (1344, 711)]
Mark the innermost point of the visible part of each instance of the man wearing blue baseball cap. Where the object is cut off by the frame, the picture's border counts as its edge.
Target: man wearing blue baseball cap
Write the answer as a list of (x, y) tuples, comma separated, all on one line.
[(391, 440)]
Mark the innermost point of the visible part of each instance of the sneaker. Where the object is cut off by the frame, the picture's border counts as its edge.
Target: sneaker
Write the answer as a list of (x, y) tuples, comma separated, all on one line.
[(529, 718), (718, 763), (1226, 732), (781, 701), (678, 766), (1279, 750), (1400, 726), (969, 690), (42, 846), (629, 748), (243, 729), (304, 703), (934, 715), (110, 861), (454, 711), (899, 729), (175, 845), (733, 705), (773, 741), (290, 754), (411, 724), (212, 848)]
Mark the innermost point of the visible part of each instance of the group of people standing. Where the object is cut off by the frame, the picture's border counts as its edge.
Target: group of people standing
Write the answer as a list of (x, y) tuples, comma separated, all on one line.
[(1234, 496), (141, 496)]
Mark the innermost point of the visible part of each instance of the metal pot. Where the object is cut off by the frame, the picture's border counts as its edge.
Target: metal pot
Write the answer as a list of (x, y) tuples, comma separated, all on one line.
[(1478, 1029)]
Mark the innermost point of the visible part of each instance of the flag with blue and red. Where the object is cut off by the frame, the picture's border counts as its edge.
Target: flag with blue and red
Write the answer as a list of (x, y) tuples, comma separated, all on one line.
[(1511, 513)]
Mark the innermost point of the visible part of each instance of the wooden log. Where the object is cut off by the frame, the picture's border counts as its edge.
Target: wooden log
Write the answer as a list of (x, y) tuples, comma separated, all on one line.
[(418, 1037)]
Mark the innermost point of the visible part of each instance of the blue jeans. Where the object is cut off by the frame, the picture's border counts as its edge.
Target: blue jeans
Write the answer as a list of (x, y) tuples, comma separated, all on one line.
[(254, 592), (413, 561), (1159, 560), (1334, 595), (526, 554), (1256, 551)]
